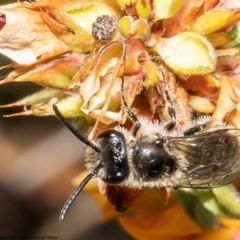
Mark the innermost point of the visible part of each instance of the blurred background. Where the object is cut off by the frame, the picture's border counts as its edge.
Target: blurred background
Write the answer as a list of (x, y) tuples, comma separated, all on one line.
[(38, 160)]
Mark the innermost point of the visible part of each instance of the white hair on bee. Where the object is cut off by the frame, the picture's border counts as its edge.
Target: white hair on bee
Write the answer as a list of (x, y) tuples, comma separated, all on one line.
[(205, 119)]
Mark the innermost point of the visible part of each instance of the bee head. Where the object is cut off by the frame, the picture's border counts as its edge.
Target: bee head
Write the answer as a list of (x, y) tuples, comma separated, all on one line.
[(107, 158), (113, 157)]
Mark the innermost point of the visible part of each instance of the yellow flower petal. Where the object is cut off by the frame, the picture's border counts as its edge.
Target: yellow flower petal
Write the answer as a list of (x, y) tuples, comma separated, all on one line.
[(228, 100), (143, 8), (80, 16), (187, 53), (165, 9), (201, 104), (150, 203), (227, 222), (221, 233), (171, 223), (212, 21), (219, 39)]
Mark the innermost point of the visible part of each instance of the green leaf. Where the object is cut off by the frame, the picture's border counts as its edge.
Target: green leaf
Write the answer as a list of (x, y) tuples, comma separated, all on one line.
[(228, 197), (196, 209), (210, 202)]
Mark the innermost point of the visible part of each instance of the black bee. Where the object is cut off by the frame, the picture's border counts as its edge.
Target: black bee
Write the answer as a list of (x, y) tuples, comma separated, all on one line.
[(202, 154)]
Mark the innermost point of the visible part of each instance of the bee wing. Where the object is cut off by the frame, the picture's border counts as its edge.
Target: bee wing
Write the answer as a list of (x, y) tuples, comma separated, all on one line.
[(210, 159)]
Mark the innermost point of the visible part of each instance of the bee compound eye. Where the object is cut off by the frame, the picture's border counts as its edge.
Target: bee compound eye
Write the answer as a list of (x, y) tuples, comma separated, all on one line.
[(114, 156)]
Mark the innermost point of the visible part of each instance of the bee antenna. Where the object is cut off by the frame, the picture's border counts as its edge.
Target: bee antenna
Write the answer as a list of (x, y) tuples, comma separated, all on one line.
[(76, 193), (80, 136)]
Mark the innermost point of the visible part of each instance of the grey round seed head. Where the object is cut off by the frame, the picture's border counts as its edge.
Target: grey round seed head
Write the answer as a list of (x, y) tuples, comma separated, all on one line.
[(104, 27)]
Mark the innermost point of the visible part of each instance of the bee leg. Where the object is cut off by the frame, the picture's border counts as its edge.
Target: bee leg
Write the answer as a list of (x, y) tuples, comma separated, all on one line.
[(133, 117), (196, 129), (172, 113), (169, 105)]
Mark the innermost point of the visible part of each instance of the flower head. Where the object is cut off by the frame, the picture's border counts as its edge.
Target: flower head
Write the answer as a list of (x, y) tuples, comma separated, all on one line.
[(90, 55)]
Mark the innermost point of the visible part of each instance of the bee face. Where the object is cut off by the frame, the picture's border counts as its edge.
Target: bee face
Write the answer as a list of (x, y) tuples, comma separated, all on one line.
[(157, 158)]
